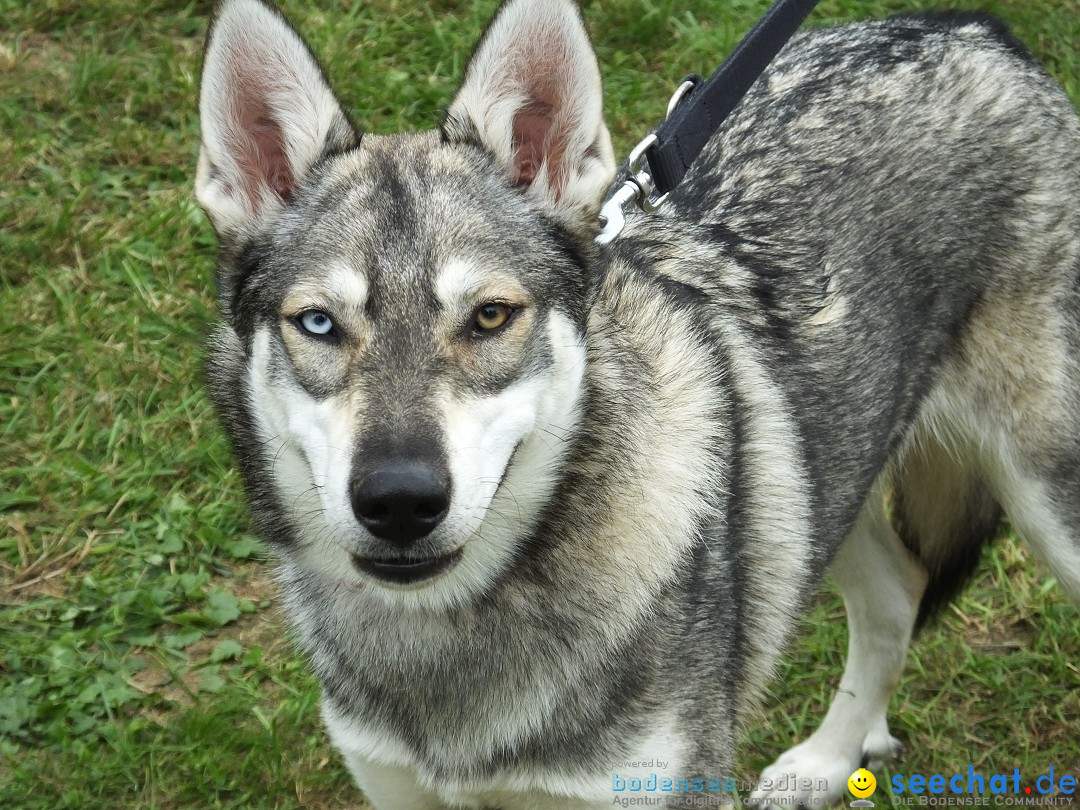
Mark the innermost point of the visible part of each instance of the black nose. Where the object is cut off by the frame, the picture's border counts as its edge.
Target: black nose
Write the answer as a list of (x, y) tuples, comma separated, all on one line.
[(400, 502)]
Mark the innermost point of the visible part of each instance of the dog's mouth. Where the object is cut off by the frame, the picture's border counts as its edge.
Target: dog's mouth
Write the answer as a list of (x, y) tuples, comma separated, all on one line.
[(405, 570)]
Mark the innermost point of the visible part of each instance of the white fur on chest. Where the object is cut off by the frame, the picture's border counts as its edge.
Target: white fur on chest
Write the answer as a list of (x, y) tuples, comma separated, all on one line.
[(391, 776)]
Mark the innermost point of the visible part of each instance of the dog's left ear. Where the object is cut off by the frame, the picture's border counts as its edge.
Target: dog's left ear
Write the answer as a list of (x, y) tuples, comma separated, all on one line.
[(532, 97)]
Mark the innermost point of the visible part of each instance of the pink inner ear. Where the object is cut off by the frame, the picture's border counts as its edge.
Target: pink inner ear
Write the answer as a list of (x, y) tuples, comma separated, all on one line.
[(535, 143), (259, 140), (273, 163), (531, 126)]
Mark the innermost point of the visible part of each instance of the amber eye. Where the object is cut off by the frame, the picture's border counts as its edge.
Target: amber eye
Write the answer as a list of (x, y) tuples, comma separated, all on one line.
[(491, 317)]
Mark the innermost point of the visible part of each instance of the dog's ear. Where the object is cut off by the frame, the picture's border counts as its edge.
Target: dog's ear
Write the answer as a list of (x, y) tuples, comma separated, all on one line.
[(532, 97), (267, 116)]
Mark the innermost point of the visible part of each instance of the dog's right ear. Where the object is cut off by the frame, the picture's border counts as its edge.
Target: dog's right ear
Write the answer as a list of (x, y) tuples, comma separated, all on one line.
[(268, 115)]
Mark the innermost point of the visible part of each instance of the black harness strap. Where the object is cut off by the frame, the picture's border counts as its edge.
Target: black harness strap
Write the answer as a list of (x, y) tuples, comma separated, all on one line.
[(680, 139)]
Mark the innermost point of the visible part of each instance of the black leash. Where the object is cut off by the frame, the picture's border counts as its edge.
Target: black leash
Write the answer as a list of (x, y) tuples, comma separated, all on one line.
[(695, 112)]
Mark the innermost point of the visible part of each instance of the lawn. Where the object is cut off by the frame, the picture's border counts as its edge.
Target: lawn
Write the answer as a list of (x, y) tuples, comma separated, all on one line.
[(143, 662)]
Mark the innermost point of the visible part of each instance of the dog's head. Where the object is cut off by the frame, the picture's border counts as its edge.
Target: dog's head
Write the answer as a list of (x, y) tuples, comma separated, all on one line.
[(404, 314)]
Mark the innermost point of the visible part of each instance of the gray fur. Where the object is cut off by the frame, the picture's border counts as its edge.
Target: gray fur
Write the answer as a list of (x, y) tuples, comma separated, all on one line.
[(871, 274)]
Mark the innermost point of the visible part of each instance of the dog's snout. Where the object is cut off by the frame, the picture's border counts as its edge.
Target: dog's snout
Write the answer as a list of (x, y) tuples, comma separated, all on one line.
[(401, 502)]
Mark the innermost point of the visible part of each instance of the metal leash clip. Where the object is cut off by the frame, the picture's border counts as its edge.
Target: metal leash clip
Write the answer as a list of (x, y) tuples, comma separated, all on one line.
[(638, 187)]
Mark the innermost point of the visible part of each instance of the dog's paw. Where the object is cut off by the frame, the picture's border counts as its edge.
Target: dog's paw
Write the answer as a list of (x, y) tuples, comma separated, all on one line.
[(809, 774), (815, 772), (879, 748)]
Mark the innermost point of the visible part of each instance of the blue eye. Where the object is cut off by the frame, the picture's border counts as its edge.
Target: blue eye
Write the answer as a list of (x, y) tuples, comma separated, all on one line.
[(317, 323)]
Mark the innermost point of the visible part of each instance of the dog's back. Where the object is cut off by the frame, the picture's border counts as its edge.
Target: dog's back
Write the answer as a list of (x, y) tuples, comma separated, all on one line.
[(900, 201)]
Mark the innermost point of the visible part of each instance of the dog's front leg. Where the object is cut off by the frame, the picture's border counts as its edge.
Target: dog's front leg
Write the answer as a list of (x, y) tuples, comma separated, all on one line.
[(882, 584)]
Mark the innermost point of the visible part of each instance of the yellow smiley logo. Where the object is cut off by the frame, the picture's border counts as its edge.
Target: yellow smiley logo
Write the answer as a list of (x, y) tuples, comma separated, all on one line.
[(861, 783)]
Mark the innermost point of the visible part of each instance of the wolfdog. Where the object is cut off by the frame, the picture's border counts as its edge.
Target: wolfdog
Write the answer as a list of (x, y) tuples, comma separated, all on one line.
[(546, 512)]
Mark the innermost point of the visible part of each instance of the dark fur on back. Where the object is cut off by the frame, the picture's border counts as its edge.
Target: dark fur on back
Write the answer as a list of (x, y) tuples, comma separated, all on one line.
[(929, 21)]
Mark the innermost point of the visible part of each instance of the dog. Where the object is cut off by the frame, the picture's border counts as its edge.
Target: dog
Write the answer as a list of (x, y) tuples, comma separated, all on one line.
[(545, 513)]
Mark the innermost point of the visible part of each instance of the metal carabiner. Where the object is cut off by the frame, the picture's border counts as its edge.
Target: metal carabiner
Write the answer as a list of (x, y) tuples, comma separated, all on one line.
[(638, 187)]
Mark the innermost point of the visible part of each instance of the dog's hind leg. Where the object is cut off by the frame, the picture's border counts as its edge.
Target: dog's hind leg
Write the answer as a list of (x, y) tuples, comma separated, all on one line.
[(882, 585), (1037, 471), (1040, 491), (1050, 523), (1016, 398)]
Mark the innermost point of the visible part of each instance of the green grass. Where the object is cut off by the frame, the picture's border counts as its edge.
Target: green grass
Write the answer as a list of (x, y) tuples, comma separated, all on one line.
[(142, 663)]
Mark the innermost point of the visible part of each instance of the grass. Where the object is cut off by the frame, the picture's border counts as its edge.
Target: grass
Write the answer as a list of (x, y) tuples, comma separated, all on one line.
[(142, 662)]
